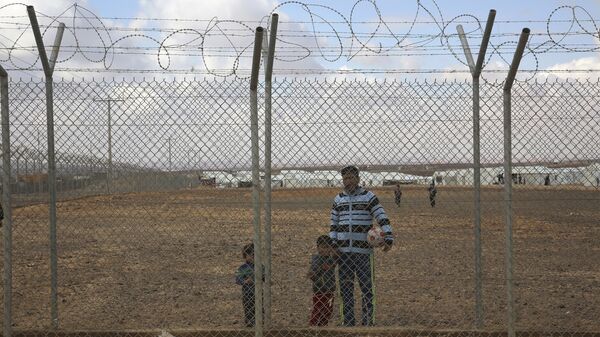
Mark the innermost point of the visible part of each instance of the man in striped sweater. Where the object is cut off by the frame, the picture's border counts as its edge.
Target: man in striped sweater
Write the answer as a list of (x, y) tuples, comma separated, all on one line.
[(352, 216)]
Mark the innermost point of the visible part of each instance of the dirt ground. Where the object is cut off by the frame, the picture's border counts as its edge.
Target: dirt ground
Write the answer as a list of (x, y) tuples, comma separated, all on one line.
[(167, 260)]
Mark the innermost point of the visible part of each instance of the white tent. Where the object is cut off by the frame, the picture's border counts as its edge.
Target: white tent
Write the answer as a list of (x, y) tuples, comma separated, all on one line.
[(531, 175), (402, 178), (327, 178), (296, 178), (222, 178), (591, 175), (454, 177), (277, 180), (368, 179), (489, 175), (567, 176)]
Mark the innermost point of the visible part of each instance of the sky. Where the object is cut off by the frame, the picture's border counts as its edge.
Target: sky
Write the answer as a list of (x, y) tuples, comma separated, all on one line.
[(365, 38), (371, 40)]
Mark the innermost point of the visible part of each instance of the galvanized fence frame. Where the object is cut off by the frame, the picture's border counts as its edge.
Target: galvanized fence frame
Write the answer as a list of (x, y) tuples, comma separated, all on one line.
[(296, 95)]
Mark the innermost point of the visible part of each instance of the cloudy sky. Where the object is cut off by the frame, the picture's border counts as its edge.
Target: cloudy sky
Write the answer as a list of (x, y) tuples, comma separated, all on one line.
[(187, 123), (384, 38)]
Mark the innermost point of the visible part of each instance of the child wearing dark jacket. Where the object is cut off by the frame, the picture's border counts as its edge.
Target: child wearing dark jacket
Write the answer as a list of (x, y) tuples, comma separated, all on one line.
[(322, 274), (245, 277)]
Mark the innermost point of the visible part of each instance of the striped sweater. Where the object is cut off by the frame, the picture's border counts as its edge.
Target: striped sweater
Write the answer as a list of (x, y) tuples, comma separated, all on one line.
[(352, 217)]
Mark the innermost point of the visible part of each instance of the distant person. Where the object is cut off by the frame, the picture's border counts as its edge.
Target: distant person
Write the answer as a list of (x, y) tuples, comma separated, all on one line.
[(352, 215), (322, 275), (397, 195), (547, 180), (245, 277), (432, 193), (501, 178)]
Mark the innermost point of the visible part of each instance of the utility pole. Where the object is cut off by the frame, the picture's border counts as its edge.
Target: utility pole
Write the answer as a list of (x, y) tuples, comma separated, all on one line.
[(169, 148), (38, 152), (109, 100)]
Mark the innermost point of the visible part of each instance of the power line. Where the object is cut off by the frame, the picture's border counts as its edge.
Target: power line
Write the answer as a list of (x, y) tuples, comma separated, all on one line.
[(316, 71), (281, 21), (295, 33)]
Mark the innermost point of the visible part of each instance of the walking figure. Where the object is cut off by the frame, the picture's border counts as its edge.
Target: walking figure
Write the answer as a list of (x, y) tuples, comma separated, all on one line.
[(432, 192), (397, 195)]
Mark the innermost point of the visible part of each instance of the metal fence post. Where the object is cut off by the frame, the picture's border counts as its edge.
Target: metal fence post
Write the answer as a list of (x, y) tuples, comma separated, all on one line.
[(508, 176), (270, 56), (258, 264), (48, 65), (109, 174), (6, 205), (475, 69)]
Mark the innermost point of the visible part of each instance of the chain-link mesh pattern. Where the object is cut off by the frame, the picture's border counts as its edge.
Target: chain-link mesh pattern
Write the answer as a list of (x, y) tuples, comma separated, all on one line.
[(152, 224), (556, 205)]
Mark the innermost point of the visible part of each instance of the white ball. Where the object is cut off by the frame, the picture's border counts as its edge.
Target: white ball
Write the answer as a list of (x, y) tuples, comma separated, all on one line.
[(375, 237)]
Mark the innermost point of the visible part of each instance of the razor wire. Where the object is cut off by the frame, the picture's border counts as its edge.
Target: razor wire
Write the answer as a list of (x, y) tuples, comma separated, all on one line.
[(346, 36), (154, 238)]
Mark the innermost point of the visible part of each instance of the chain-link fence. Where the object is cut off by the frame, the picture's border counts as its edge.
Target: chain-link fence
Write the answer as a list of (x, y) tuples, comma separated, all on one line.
[(154, 211)]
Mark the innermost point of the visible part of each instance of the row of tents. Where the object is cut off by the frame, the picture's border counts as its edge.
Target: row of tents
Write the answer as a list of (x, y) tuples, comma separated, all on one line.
[(304, 179), (529, 175), (526, 175)]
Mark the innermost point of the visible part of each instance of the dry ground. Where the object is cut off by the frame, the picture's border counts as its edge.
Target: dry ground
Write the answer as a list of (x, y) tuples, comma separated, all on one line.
[(152, 260)]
